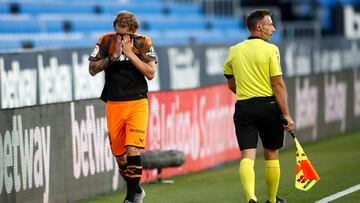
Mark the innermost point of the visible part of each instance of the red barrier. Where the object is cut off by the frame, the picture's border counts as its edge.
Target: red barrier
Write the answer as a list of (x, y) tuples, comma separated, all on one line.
[(197, 122)]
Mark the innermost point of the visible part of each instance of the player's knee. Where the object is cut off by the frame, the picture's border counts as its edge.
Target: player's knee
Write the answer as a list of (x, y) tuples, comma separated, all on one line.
[(121, 160), (132, 151)]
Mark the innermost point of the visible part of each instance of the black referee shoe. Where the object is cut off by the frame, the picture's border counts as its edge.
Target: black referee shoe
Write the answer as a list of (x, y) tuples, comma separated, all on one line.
[(252, 201), (278, 200)]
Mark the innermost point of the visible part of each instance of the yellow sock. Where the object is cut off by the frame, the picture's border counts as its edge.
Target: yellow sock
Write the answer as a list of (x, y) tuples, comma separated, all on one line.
[(247, 177), (272, 178)]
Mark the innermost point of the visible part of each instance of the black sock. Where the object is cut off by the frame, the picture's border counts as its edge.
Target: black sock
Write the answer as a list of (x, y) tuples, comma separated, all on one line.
[(122, 170), (133, 174)]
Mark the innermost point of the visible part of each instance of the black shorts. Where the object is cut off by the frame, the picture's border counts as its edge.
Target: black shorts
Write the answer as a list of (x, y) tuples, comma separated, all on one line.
[(259, 116)]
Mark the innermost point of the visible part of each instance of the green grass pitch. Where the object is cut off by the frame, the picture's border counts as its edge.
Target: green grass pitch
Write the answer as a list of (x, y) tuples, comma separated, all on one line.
[(336, 159)]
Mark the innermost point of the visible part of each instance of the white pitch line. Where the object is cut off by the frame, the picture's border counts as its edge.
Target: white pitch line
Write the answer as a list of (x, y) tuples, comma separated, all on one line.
[(339, 194)]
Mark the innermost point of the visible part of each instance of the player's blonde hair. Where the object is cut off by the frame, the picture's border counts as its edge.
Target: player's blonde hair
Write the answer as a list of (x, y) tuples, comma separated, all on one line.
[(126, 19)]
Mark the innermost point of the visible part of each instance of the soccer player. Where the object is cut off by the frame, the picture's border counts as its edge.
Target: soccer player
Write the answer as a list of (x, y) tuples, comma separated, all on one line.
[(127, 58), (254, 74)]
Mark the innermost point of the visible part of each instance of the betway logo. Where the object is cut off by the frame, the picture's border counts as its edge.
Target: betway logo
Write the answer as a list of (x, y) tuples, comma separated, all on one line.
[(90, 146), (29, 168), (351, 23), (335, 101), (356, 93), (306, 108)]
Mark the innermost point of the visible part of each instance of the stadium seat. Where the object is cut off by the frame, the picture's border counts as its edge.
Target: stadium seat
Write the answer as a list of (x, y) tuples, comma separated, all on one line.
[(181, 9), (327, 2), (304, 9), (52, 25), (235, 35), (166, 41), (4, 8), (208, 37), (224, 23), (40, 22), (44, 40), (176, 23), (18, 24), (91, 25), (76, 22), (137, 9), (56, 7), (8, 45), (325, 17), (62, 43), (276, 37), (346, 2)]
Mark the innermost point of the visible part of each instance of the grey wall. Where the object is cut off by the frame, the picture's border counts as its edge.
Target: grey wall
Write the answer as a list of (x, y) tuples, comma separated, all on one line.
[(42, 77), (48, 154), (59, 152)]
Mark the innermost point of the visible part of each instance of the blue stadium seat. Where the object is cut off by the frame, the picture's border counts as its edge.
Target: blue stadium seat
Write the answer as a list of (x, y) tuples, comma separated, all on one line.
[(346, 2), (75, 22), (325, 17), (176, 24), (209, 37), (56, 7), (145, 1), (44, 40), (61, 43), (327, 2), (40, 21), (7, 45), (154, 35), (276, 37), (194, 36), (304, 9), (171, 41), (225, 23), (19, 24), (235, 35), (52, 25), (181, 9), (4, 8), (92, 25), (136, 9)]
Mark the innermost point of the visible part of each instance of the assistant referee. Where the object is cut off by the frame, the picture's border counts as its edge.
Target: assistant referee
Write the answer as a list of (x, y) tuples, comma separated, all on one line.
[(254, 74)]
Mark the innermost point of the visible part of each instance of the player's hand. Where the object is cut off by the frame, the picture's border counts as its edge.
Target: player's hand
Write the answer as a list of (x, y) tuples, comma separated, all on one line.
[(127, 45), (118, 47), (290, 126)]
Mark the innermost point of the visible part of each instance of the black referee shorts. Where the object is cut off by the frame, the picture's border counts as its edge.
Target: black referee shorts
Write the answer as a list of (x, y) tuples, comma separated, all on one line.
[(259, 116)]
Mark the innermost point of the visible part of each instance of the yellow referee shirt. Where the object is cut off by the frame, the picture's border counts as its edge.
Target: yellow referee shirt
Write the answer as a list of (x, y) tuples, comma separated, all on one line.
[(253, 62)]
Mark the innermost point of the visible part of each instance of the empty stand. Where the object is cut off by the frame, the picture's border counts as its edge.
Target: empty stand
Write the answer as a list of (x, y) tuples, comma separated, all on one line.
[(38, 23)]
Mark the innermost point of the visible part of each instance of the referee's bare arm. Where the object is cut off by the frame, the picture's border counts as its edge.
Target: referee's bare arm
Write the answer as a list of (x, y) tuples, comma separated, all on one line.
[(279, 89)]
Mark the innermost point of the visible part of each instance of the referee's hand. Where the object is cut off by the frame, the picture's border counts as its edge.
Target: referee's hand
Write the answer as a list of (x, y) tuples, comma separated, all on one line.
[(290, 124)]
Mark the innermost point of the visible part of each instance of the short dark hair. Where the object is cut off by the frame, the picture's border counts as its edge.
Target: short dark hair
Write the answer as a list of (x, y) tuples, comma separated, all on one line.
[(126, 19), (255, 16)]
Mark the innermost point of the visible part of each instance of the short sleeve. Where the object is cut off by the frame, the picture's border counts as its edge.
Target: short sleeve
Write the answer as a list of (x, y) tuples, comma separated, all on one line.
[(275, 67), (145, 49), (100, 51), (227, 65)]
